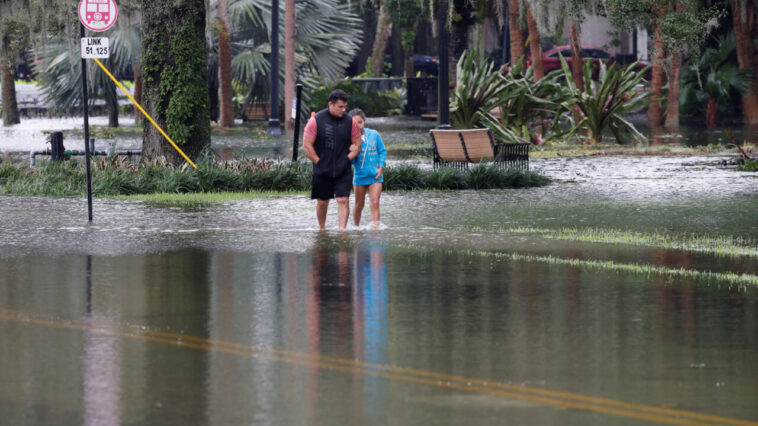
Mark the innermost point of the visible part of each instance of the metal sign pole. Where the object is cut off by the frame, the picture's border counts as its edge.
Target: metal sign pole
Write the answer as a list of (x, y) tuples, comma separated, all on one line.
[(295, 143), (85, 109)]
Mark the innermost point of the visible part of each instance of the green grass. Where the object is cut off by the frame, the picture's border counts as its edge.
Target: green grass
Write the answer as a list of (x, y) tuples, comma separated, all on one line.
[(748, 166), (202, 199), (721, 245), (555, 149), (741, 280)]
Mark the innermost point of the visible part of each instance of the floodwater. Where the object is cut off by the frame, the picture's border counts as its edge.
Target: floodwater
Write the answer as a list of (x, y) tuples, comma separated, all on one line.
[(244, 313)]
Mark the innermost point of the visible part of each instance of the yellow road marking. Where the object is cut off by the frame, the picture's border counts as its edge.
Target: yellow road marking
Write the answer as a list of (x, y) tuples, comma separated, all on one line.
[(563, 400), (144, 112)]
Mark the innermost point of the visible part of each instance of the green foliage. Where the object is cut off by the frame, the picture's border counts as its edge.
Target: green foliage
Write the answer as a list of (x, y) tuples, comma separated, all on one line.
[(747, 166), (60, 73), (524, 103), (684, 24), (476, 95), (183, 86), (529, 107), (603, 103), (118, 176), (327, 35), (375, 103), (403, 177), (724, 81)]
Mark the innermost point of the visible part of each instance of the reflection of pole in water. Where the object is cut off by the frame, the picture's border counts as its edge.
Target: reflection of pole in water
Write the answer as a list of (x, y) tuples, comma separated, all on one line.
[(102, 368), (88, 284)]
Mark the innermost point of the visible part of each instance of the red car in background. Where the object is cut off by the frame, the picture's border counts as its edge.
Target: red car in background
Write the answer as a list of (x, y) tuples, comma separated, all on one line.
[(551, 61)]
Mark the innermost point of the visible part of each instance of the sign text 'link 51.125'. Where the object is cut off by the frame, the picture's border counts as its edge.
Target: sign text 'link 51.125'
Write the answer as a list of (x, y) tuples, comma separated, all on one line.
[(95, 47)]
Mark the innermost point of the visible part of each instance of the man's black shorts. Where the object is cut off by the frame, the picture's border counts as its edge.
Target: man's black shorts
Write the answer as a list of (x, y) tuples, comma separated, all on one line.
[(326, 187)]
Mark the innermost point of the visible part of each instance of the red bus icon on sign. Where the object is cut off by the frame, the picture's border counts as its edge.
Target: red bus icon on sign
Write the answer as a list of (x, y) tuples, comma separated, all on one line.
[(97, 11)]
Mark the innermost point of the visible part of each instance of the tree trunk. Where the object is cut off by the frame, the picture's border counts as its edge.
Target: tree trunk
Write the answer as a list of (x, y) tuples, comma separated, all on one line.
[(380, 42), (137, 92), (408, 38), (363, 56), (576, 56), (111, 103), (175, 79), (672, 106), (457, 42), (517, 37), (225, 66), (10, 105), (397, 56), (535, 47), (746, 57), (657, 81), (289, 61), (711, 112)]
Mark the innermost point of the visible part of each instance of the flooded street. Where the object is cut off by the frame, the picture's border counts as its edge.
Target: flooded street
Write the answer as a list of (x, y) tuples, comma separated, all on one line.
[(467, 308)]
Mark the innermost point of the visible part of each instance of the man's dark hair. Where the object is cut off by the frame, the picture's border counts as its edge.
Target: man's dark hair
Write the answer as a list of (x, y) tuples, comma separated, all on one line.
[(337, 95)]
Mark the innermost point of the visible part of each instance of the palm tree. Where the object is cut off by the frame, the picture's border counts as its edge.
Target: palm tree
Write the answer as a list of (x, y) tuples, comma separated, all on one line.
[(535, 42), (13, 40), (289, 58), (723, 80), (60, 74), (327, 35), (744, 26), (225, 65), (514, 28)]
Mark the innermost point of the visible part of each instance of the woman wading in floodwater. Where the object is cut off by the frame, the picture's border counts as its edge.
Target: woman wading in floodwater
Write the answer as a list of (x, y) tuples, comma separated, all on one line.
[(369, 169)]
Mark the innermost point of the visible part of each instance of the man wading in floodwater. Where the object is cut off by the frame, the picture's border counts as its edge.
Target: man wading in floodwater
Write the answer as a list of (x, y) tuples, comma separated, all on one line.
[(331, 140)]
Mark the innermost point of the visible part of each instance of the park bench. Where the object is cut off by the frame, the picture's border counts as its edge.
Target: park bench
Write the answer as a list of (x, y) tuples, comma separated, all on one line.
[(458, 148), (256, 111)]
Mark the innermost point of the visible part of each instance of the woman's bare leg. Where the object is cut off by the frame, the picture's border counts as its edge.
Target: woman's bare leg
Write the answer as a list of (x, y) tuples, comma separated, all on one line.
[(374, 193), (360, 200)]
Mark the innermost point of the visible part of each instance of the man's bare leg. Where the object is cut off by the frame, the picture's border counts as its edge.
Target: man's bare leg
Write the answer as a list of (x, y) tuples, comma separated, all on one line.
[(360, 200), (343, 211), (374, 193), (321, 208)]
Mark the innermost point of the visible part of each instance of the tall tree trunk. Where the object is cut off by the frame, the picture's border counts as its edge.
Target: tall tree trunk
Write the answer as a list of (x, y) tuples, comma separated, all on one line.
[(10, 105), (535, 47), (380, 42), (397, 55), (517, 37), (657, 81), (746, 55), (225, 65), (111, 103), (675, 80), (137, 92), (175, 79), (711, 112), (457, 43), (363, 56), (576, 56), (289, 61), (408, 37)]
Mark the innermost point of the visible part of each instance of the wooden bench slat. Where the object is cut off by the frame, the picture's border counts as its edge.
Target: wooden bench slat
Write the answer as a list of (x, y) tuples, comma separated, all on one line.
[(459, 147)]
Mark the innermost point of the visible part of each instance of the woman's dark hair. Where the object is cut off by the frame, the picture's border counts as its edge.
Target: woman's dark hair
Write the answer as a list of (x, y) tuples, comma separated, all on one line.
[(357, 111), (337, 95)]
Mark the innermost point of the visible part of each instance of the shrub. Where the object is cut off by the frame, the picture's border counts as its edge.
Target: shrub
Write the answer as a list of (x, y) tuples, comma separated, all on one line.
[(404, 177), (374, 103), (125, 178)]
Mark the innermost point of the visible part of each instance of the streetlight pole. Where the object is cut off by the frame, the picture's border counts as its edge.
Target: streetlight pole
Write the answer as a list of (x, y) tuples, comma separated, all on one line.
[(443, 87), (274, 127)]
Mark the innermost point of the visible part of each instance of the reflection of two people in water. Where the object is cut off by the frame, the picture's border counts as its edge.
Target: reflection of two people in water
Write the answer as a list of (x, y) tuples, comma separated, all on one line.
[(349, 281)]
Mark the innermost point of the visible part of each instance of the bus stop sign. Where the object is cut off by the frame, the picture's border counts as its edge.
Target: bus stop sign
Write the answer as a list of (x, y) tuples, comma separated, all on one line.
[(97, 15)]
